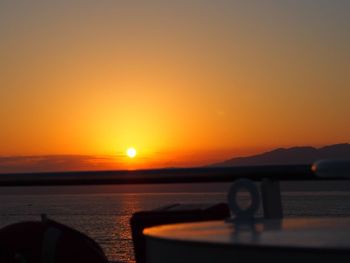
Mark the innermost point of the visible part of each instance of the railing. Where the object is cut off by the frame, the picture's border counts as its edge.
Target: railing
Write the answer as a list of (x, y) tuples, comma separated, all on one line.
[(268, 175), (157, 176), (319, 171)]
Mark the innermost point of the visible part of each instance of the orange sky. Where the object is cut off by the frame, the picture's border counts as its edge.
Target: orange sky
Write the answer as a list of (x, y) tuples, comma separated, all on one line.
[(185, 83)]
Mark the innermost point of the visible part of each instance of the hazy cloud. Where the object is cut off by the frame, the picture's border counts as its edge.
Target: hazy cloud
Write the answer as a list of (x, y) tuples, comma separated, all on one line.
[(14, 164)]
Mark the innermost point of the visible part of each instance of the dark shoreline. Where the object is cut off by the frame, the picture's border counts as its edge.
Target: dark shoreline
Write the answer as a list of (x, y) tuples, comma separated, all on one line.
[(292, 186)]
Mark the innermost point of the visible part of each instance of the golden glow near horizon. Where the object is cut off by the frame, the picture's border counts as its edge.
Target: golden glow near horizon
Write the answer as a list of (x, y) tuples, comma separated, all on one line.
[(188, 82)]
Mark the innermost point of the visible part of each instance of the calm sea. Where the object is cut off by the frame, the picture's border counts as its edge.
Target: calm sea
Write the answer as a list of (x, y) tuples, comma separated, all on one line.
[(104, 212)]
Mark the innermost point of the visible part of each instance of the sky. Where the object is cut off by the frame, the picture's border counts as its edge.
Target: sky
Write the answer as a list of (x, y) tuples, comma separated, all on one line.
[(185, 83)]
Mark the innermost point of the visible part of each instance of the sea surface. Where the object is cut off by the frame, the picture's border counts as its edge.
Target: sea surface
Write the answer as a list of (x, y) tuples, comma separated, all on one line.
[(103, 213)]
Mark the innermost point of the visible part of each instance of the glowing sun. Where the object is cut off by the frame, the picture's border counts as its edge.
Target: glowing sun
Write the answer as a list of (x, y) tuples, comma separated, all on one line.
[(131, 152)]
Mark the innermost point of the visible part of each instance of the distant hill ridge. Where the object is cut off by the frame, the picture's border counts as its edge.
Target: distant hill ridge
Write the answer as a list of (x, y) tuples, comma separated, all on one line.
[(294, 155)]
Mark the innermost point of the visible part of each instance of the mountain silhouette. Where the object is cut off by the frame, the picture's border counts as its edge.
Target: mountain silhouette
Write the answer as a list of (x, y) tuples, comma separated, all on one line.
[(294, 155)]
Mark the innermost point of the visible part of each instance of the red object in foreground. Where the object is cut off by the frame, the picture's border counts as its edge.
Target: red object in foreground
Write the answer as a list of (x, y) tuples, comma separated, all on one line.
[(47, 241)]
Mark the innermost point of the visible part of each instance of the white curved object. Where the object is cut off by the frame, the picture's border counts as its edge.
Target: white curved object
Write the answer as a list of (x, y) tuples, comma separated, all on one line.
[(289, 241)]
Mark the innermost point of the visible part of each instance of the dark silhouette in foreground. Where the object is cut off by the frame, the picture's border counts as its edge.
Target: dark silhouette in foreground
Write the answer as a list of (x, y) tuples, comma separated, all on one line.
[(47, 241)]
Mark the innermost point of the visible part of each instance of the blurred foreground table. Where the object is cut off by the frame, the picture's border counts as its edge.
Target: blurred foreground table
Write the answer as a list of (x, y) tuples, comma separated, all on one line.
[(260, 240)]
